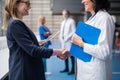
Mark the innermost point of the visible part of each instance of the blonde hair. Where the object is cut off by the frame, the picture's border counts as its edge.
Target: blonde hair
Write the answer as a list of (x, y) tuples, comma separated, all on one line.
[(10, 10), (41, 20)]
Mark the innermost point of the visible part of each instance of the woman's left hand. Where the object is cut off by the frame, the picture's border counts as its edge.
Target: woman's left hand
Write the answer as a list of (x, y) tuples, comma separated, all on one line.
[(77, 40)]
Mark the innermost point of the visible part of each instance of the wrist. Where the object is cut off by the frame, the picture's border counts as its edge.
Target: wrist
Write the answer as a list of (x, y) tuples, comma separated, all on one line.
[(54, 52), (81, 44)]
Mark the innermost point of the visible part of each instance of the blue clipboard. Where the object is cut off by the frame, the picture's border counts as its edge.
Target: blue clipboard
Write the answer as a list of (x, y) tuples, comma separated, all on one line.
[(89, 34)]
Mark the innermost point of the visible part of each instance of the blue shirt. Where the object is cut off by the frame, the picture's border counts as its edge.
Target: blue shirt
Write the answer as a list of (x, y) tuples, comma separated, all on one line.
[(42, 30)]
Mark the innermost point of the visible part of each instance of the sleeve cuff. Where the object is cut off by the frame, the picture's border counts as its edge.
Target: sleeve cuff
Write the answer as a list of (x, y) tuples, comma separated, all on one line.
[(54, 52)]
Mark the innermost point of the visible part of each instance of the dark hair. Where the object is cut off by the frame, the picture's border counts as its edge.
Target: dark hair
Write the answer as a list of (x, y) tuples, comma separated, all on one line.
[(68, 12), (101, 5)]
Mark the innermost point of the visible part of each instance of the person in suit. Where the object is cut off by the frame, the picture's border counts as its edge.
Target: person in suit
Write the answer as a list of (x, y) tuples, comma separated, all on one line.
[(67, 29), (25, 53), (99, 67)]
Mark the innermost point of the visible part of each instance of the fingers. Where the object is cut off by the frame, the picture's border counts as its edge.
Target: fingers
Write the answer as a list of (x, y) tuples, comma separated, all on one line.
[(64, 54), (77, 40), (42, 42), (61, 55)]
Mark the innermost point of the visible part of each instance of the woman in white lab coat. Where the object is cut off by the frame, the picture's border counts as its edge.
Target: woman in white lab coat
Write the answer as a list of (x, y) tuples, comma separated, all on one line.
[(99, 68)]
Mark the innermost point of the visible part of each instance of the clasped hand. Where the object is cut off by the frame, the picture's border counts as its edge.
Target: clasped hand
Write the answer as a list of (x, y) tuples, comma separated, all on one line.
[(62, 54)]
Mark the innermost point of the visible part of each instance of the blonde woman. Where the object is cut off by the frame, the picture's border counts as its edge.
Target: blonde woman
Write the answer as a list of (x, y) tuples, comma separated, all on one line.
[(25, 53), (44, 33)]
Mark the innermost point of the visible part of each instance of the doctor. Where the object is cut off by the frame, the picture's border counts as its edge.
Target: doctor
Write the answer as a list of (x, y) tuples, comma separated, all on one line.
[(67, 29), (99, 68)]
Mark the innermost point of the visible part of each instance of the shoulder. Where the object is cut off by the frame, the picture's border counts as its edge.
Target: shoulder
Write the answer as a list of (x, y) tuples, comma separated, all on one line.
[(71, 20), (40, 26), (104, 19), (41, 29), (103, 15), (16, 27), (62, 21), (14, 21), (15, 24)]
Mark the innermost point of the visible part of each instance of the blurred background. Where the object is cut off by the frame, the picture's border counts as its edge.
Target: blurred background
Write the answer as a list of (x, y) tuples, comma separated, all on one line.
[(52, 9)]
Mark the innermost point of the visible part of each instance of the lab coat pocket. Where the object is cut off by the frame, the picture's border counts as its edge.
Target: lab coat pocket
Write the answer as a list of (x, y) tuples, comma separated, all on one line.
[(89, 67)]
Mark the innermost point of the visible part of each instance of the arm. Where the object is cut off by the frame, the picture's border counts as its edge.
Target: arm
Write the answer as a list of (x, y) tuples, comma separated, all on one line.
[(43, 32), (102, 49), (47, 34), (24, 40), (26, 43)]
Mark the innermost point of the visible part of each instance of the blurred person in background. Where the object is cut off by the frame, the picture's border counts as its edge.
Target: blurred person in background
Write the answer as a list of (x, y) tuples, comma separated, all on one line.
[(44, 33), (68, 27)]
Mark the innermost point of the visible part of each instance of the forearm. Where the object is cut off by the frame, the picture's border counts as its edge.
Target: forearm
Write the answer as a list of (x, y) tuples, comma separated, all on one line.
[(98, 51)]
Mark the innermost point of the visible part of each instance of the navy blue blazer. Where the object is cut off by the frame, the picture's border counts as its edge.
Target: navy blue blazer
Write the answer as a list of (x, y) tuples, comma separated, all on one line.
[(25, 60)]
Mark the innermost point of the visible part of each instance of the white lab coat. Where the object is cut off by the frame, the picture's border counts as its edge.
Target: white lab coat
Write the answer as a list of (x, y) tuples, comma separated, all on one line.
[(99, 68), (67, 29)]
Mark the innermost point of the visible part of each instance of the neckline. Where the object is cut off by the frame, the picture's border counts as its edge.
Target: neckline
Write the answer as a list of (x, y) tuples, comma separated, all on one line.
[(17, 19), (92, 16)]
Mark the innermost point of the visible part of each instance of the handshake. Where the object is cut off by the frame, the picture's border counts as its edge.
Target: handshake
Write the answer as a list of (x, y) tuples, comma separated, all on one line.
[(61, 53)]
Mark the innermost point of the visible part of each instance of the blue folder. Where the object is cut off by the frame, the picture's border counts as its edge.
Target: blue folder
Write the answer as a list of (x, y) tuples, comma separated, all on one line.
[(89, 34)]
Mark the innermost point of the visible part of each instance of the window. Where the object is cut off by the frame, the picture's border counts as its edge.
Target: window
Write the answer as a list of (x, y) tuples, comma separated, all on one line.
[(1, 16), (74, 6)]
